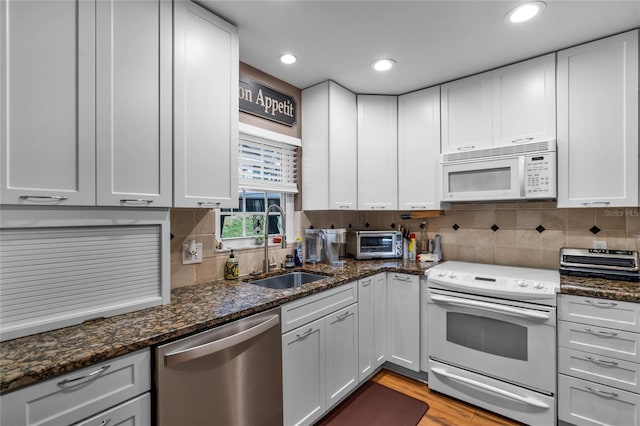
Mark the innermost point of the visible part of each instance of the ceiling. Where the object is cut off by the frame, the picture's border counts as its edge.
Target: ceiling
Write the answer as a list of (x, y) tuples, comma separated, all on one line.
[(432, 41)]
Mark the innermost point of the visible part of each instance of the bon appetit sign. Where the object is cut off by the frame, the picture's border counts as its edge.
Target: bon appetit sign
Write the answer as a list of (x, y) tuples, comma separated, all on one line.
[(265, 102)]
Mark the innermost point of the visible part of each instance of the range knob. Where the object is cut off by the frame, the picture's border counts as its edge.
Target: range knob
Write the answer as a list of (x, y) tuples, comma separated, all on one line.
[(442, 273), (452, 275), (538, 285), (522, 283)]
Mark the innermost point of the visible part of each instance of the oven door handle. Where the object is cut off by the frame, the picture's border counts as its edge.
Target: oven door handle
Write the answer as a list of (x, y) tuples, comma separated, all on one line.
[(491, 307), (523, 399)]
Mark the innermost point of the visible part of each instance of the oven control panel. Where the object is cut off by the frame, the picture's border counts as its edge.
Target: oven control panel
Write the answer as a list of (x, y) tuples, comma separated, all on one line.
[(495, 280)]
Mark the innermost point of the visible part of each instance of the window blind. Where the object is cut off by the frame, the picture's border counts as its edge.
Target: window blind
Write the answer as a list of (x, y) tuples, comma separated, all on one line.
[(267, 165)]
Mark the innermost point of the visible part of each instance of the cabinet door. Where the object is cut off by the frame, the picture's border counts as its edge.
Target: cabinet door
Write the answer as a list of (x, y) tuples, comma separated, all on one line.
[(206, 84), (48, 102), (377, 152), (366, 327), (303, 371), (403, 320), (524, 107), (467, 114), (372, 324), (133, 77), (343, 149), (419, 150), (598, 123), (379, 319), (315, 147), (341, 353)]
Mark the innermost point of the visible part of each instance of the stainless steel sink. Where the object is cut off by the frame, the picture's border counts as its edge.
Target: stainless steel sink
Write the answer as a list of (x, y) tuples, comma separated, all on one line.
[(291, 280)]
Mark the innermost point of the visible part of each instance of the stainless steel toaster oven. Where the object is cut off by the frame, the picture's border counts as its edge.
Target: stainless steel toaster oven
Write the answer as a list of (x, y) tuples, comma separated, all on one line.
[(374, 244)]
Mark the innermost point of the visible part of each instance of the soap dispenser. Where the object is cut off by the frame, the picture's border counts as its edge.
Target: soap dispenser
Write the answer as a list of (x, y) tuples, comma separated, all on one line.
[(231, 267)]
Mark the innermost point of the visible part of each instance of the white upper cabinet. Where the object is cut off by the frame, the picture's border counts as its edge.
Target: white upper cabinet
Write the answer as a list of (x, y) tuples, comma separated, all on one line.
[(525, 101), (509, 105), (419, 150), (598, 123), (86, 103), (47, 102), (133, 80), (377, 152), (329, 148), (206, 84), (467, 114)]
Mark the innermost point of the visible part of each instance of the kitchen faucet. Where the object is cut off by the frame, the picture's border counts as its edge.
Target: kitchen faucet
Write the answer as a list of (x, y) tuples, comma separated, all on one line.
[(266, 233)]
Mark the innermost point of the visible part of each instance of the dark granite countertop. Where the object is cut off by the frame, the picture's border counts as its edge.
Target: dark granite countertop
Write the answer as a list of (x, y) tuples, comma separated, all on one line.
[(625, 291), (28, 360)]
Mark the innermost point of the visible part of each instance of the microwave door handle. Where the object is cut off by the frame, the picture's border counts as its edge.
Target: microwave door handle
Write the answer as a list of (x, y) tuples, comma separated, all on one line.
[(491, 307), (523, 399)]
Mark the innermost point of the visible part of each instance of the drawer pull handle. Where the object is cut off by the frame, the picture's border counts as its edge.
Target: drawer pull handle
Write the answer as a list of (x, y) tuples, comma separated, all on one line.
[(209, 203), (601, 361), (522, 140), (89, 376), (601, 304), (406, 280), (305, 334), (342, 316), (135, 201), (601, 333), (596, 203), (601, 392), (466, 148), (366, 283), (44, 197), (105, 422)]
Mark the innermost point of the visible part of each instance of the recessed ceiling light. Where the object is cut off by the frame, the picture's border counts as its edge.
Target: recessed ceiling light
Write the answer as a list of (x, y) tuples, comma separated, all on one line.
[(383, 64), (287, 59), (524, 12)]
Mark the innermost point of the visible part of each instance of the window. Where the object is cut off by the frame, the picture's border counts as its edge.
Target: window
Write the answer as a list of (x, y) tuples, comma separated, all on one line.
[(266, 176), (248, 219)]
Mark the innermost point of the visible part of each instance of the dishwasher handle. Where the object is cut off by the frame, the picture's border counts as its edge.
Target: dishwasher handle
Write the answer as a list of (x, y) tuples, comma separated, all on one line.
[(205, 349)]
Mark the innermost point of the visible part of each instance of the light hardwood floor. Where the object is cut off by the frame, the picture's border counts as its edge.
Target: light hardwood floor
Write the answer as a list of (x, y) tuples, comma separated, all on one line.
[(443, 411)]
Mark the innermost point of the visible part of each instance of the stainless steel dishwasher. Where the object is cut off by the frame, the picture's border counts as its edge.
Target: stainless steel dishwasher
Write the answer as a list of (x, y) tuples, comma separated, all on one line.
[(229, 375)]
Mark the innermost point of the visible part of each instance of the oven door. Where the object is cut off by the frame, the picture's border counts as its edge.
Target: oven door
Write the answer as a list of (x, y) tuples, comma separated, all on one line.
[(511, 341), (488, 179)]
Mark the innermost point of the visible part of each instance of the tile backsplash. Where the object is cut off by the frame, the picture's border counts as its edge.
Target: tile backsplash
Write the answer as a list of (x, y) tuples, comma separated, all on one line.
[(525, 234)]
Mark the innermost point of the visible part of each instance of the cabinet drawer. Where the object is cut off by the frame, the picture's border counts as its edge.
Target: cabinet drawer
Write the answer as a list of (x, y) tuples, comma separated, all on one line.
[(601, 369), (78, 395), (135, 412), (307, 309), (601, 312), (585, 403), (599, 340)]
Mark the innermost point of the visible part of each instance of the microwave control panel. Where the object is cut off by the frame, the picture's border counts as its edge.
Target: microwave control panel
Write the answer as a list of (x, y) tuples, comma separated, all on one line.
[(540, 176)]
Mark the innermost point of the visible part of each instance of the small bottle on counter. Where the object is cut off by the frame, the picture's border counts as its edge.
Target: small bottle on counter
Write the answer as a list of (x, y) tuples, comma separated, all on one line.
[(412, 246), (297, 258), (231, 267)]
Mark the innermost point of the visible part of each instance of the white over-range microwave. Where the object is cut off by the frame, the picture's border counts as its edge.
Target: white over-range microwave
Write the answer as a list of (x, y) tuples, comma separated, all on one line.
[(517, 172)]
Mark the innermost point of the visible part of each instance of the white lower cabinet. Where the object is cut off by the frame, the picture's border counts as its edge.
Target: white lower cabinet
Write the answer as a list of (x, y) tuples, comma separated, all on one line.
[(110, 388), (403, 320), (598, 361), (303, 370), (320, 357), (135, 412), (341, 353), (372, 324)]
